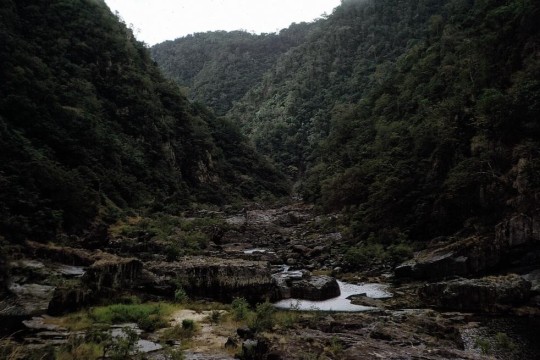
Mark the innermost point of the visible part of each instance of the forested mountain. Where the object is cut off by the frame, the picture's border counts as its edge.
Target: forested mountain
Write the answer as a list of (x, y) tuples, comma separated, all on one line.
[(217, 68), (419, 118), (89, 127)]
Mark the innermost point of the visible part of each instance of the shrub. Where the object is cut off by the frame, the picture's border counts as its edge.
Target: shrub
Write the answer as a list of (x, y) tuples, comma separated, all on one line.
[(188, 324), (240, 308), (399, 252), (504, 343), (264, 317), (215, 317), (121, 347), (151, 323), (363, 255), (180, 295)]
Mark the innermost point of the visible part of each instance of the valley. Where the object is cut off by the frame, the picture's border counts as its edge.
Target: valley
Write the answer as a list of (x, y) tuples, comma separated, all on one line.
[(363, 186)]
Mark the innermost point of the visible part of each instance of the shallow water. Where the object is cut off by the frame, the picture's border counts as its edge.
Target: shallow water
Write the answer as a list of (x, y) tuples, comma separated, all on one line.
[(340, 303), (251, 251)]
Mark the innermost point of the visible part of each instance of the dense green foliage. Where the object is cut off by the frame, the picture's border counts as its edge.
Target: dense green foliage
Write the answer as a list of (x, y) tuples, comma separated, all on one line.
[(218, 68), (418, 118), (449, 140), (89, 126)]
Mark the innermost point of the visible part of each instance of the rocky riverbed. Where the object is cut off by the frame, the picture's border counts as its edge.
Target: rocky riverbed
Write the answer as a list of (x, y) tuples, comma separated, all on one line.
[(292, 257)]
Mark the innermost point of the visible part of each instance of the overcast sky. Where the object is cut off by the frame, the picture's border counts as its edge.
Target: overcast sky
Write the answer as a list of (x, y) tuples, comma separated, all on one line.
[(155, 21)]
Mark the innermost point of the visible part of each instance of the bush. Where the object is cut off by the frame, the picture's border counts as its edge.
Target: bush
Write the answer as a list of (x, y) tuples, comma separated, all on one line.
[(121, 347), (240, 308), (264, 317), (399, 253), (177, 332), (151, 323), (504, 343), (180, 295), (188, 324), (215, 317), (364, 255)]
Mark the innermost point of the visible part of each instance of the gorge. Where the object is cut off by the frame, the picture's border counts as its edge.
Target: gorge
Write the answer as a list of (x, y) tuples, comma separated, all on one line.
[(362, 186)]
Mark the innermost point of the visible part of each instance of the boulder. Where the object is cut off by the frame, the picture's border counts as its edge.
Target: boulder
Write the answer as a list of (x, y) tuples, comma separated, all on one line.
[(254, 349), (534, 279), (26, 300), (215, 278), (315, 288), (487, 294)]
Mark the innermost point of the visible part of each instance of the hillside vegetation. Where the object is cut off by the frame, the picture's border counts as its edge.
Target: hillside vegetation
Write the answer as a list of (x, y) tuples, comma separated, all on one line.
[(89, 128), (417, 118), (217, 68)]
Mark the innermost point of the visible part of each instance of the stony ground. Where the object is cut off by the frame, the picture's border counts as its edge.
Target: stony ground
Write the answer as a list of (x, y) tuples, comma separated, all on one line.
[(291, 235)]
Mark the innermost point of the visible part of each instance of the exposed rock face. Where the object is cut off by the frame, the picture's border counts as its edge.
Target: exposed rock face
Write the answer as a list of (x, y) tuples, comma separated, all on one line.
[(66, 299), (474, 255), (90, 274), (519, 230), (113, 272), (220, 279), (488, 294), (315, 288)]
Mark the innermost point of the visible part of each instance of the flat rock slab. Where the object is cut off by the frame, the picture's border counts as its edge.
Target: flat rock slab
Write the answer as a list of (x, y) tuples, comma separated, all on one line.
[(27, 299)]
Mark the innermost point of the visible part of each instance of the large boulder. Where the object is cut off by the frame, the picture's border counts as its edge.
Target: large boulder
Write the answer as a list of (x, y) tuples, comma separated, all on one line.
[(215, 278), (26, 300), (315, 288), (487, 294)]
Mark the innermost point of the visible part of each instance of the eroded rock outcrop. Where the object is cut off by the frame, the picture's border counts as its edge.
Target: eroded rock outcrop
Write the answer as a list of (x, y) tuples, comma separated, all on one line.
[(113, 272), (88, 275), (216, 278), (475, 255), (487, 294)]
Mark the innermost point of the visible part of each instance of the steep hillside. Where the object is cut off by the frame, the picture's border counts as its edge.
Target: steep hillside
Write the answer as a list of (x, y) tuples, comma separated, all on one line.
[(89, 127), (345, 56), (419, 118), (449, 140), (218, 68)]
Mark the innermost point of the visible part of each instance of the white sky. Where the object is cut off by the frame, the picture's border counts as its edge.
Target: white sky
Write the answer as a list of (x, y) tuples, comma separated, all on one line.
[(155, 21)]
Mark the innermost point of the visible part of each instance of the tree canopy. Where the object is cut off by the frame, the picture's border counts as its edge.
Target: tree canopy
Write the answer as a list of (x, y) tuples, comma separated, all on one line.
[(89, 127)]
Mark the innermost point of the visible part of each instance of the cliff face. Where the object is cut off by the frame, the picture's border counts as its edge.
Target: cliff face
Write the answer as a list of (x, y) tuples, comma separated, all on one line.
[(219, 279)]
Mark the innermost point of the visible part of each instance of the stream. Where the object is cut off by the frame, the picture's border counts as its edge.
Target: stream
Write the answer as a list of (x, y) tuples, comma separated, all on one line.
[(339, 303)]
